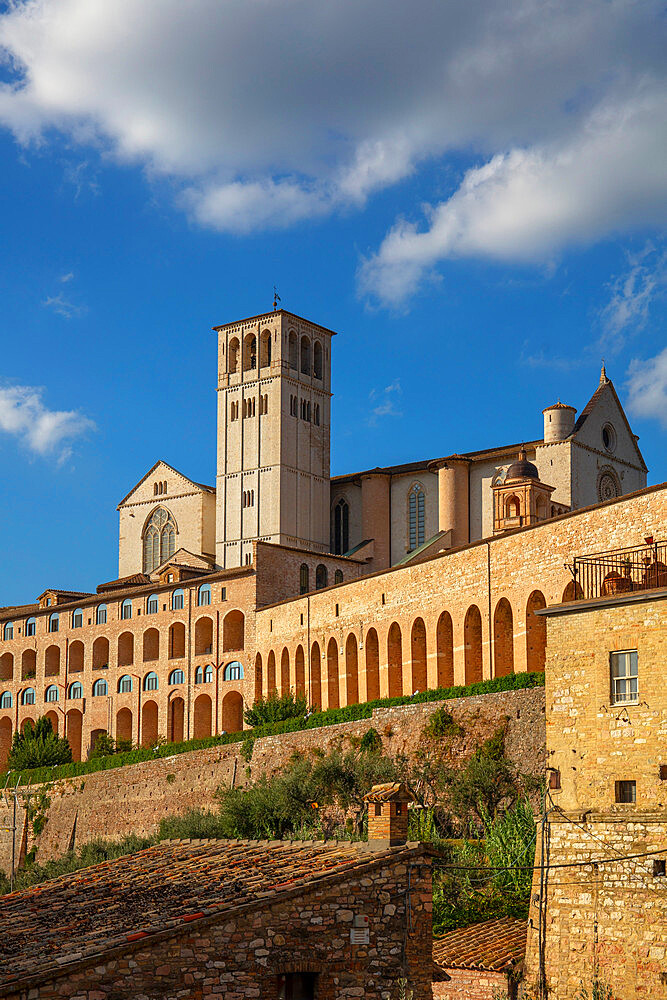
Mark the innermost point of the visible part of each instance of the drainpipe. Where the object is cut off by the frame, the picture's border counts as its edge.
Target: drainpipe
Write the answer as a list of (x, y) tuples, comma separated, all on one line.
[(189, 659), (65, 693), (488, 588), (216, 662)]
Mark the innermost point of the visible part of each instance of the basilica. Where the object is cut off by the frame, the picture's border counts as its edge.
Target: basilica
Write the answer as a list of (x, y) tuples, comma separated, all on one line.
[(375, 583)]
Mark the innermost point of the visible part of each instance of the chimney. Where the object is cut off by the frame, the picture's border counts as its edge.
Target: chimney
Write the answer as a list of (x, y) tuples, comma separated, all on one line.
[(388, 814)]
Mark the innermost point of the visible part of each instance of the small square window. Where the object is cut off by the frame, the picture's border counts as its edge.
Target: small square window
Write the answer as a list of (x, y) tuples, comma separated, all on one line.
[(378, 808), (626, 791), (659, 868), (223, 594), (663, 772), (554, 778), (624, 671)]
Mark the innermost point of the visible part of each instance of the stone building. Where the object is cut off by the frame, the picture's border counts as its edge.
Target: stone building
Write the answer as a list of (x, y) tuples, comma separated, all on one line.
[(235, 919), (480, 962), (273, 469), (349, 589), (599, 907)]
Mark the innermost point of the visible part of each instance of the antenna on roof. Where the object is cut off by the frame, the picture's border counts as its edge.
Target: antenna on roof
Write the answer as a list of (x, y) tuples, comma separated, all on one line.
[(276, 298)]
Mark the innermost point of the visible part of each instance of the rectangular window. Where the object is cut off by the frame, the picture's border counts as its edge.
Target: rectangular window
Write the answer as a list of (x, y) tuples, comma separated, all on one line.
[(626, 791), (659, 868), (126, 612), (623, 669), (178, 602), (30, 628), (77, 620), (152, 606)]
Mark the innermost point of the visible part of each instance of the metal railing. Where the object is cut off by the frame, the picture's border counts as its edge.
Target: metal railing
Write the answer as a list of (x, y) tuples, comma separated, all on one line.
[(619, 571)]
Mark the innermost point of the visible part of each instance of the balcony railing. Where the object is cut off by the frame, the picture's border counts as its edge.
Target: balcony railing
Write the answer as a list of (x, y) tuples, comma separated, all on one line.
[(619, 571)]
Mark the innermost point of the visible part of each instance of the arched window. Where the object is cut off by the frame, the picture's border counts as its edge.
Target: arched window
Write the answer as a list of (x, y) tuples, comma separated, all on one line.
[(512, 506), (204, 595), (321, 577), (6, 699), (233, 671), (159, 539), (233, 356), (177, 677), (304, 583), (125, 684), (250, 352), (151, 682), (100, 688), (316, 414), (126, 609), (177, 600), (152, 605), (51, 693), (199, 675), (8, 631), (305, 356), (265, 349), (54, 623), (76, 690), (341, 526), (416, 517), (338, 576), (77, 618), (292, 349), (101, 614), (208, 673), (28, 696), (317, 360), (31, 626)]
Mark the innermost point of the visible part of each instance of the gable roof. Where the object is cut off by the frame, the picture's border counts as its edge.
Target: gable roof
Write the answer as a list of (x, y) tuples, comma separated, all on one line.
[(494, 946), (592, 403), (201, 486), (79, 917), (134, 580)]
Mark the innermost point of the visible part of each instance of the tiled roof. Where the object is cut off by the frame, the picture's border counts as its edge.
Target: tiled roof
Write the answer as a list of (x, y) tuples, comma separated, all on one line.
[(135, 580), (81, 916), (390, 791), (494, 946)]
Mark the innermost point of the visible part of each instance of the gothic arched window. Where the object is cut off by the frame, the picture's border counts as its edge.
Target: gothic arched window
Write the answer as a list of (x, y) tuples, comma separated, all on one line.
[(416, 516), (341, 526), (159, 539), (304, 583), (321, 577), (317, 360)]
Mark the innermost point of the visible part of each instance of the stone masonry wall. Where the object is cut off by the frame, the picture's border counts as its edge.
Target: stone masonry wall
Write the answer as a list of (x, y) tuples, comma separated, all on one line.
[(241, 957), (472, 984), (135, 798)]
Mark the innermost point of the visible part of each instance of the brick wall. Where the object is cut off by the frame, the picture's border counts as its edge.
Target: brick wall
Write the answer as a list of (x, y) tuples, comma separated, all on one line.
[(135, 798), (240, 957), (472, 984)]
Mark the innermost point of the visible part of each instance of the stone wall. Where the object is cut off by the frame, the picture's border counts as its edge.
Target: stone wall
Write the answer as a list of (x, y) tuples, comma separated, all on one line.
[(473, 984), (241, 956), (135, 798)]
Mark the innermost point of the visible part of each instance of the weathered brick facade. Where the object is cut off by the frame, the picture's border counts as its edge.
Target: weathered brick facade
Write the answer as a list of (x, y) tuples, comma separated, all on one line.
[(604, 917)]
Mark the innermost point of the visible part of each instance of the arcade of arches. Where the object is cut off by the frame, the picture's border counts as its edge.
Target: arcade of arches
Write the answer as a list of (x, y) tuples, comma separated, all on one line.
[(402, 658)]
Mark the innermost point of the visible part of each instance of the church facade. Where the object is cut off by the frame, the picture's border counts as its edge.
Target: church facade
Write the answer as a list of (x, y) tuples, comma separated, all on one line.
[(279, 577)]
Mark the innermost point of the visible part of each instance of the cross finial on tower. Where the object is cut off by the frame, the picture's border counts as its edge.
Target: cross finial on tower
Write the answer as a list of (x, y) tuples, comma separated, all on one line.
[(603, 374), (276, 298)]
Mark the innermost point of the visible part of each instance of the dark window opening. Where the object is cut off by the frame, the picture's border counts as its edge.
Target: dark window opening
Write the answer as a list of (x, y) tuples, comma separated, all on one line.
[(626, 791), (554, 779), (341, 527), (659, 868), (297, 986)]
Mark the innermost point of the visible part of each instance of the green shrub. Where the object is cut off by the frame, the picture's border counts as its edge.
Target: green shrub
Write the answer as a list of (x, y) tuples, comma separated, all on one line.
[(371, 741), (38, 746), (107, 746), (441, 726), (276, 708)]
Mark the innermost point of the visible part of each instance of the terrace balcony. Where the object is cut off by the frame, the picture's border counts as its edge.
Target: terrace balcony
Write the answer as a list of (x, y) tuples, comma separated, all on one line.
[(619, 571)]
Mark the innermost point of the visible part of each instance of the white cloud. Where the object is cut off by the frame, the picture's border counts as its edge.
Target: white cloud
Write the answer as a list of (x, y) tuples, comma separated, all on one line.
[(62, 306), (268, 113), (647, 387), (64, 278), (529, 203), (24, 416), (632, 294), (387, 402)]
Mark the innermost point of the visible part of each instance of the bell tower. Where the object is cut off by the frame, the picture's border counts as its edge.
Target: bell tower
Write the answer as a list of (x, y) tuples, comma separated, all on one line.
[(274, 405)]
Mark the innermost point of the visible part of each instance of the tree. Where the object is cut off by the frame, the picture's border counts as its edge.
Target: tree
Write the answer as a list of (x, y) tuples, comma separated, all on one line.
[(276, 708), (38, 746)]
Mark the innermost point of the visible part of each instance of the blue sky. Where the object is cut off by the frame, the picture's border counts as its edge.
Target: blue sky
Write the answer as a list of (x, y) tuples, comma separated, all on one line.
[(474, 200)]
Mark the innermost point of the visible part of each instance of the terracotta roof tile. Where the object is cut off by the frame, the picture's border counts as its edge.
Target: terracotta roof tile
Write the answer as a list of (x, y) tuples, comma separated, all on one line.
[(494, 946), (100, 908), (135, 580), (390, 791)]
